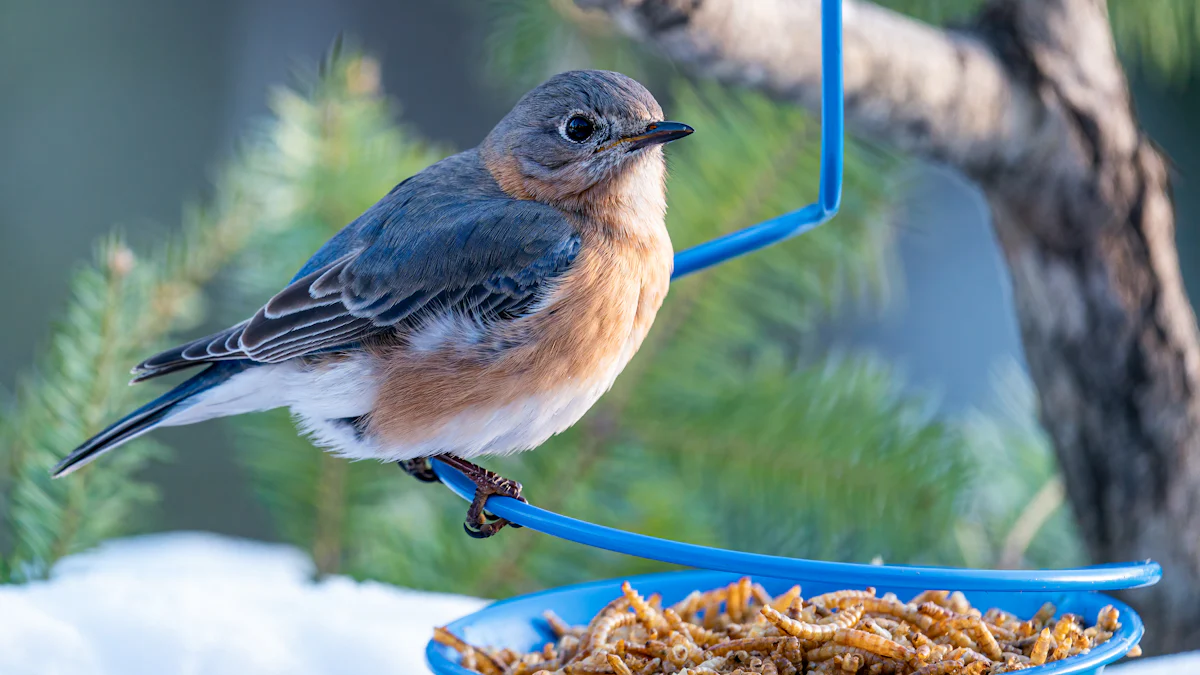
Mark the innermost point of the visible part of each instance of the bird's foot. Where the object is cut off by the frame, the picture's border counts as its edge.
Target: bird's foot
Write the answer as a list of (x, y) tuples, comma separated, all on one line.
[(419, 468), (479, 523)]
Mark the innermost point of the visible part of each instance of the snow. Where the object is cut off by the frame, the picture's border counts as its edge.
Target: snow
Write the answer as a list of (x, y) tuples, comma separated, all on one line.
[(200, 604)]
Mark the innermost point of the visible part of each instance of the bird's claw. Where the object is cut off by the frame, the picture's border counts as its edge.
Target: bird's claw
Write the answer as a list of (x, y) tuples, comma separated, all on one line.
[(481, 523), (419, 468)]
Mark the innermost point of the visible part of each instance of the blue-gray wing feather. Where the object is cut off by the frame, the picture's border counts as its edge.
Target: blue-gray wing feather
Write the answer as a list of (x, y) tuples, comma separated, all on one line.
[(444, 240)]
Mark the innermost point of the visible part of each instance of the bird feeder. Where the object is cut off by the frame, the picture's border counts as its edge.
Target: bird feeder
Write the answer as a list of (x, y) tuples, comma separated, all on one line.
[(513, 623)]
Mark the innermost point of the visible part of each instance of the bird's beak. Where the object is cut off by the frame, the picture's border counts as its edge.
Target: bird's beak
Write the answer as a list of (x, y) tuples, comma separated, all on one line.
[(655, 134)]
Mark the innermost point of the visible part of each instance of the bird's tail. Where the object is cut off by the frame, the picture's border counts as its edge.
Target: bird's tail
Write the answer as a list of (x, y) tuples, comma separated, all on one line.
[(147, 417)]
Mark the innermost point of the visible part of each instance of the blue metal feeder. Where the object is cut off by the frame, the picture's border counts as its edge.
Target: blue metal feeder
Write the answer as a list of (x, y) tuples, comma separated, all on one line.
[(516, 624)]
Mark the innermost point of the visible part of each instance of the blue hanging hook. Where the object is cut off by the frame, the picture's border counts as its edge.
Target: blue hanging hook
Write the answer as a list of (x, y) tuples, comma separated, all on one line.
[(829, 198)]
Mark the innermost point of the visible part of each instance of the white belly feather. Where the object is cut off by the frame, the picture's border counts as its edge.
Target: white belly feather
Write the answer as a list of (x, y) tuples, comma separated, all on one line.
[(323, 397)]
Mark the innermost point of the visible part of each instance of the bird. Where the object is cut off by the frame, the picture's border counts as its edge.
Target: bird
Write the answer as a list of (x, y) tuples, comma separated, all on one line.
[(480, 307)]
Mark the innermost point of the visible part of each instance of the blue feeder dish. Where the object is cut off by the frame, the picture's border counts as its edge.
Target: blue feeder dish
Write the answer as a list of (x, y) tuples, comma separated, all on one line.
[(517, 623)]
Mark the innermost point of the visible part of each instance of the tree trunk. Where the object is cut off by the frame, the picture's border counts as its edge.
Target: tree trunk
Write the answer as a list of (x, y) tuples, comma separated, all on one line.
[(1088, 230), (1032, 104)]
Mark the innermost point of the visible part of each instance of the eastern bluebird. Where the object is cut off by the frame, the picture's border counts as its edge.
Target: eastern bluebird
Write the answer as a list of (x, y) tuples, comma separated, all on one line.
[(479, 308)]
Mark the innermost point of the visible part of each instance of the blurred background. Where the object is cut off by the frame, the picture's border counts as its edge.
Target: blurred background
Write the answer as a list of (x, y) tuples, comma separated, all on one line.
[(864, 390)]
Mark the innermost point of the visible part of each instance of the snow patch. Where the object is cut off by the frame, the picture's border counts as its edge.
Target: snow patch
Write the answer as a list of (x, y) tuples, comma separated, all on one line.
[(201, 604)]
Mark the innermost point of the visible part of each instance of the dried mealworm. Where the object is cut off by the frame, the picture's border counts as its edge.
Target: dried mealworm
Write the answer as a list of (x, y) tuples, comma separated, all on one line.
[(1070, 623), (760, 594), (936, 597), (1045, 615), (1107, 619), (873, 627), (873, 643), (1015, 661), (482, 661), (983, 636), (682, 650), (761, 645), (646, 613), (841, 598), (557, 625), (935, 611), (957, 602), (974, 627), (977, 668), (1000, 632), (712, 609), (604, 629), (945, 626), (699, 634), (783, 602), (813, 631), (618, 665), (967, 656), (850, 663), (835, 634), (688, 606), (587, 668), (941, 668), (1041, 648), (897, 609), (827, 651)]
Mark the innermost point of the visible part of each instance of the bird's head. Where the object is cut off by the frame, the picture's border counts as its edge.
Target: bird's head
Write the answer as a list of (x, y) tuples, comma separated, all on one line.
[(581, 138)]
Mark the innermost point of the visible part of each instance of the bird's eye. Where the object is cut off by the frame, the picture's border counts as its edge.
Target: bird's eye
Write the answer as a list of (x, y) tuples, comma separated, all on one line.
[(579, 129)]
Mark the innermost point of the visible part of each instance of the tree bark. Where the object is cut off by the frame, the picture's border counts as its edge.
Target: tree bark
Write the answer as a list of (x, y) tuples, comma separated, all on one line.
[(1032, 104)]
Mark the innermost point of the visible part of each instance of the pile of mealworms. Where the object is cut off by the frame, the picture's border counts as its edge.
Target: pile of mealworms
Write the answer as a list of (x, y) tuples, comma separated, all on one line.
[(741, 629)]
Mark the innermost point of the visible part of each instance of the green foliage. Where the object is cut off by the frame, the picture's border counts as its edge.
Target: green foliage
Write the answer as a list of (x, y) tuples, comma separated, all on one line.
[(1160, 36), (121, 308), (1163, 36), (76, 390), (834, 461), (531, 40), (1013, 462), (330, 150)]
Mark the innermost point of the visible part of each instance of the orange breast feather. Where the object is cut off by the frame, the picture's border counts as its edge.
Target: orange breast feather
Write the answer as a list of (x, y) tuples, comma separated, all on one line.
[(581, 337)]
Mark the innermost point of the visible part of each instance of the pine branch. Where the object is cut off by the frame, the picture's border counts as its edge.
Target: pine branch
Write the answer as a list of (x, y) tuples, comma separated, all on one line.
[(530, 40), (331, 150), (121, 309)]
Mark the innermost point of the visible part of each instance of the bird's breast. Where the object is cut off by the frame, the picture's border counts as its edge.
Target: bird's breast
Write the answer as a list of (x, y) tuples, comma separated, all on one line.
[(555, 362)]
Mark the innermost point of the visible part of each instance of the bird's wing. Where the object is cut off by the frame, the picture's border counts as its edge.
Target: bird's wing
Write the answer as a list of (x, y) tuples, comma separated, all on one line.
[(400, 261)]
